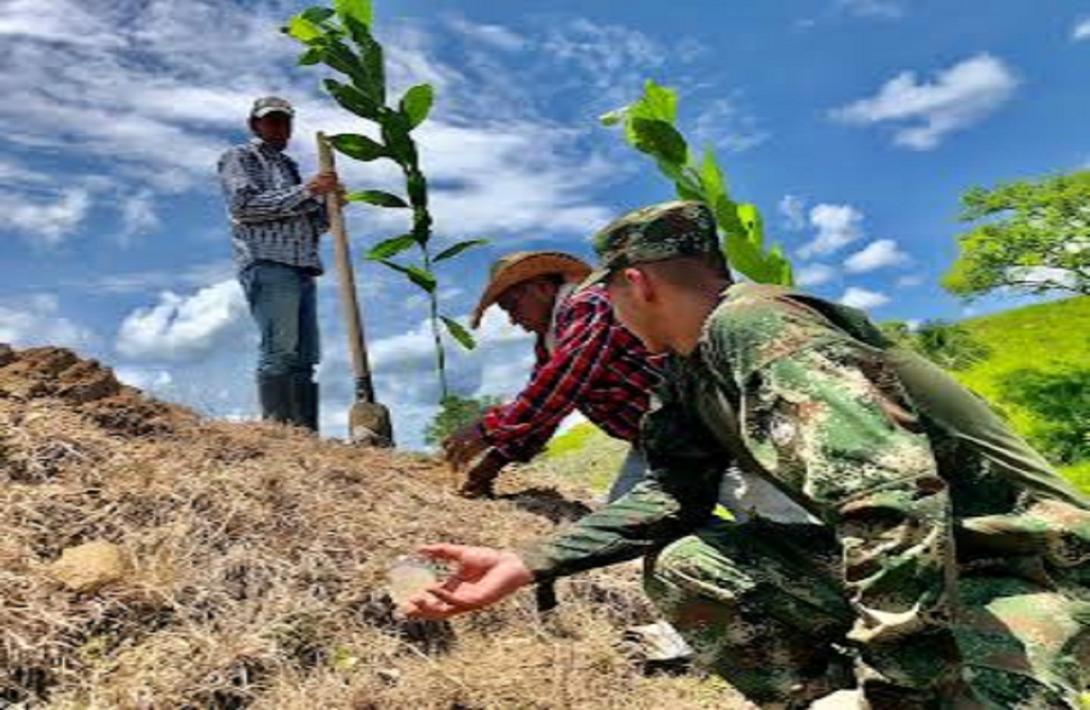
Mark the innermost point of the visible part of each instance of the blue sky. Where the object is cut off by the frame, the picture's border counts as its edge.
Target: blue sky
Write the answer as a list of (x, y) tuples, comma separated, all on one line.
[(853, 124)]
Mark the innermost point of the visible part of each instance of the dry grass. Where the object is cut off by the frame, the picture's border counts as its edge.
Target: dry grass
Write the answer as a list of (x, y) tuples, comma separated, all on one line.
[(256, 560)]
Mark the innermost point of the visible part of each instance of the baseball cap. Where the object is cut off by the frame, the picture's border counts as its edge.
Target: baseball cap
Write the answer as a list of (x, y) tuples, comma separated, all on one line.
[(271, 104), (659, 232)]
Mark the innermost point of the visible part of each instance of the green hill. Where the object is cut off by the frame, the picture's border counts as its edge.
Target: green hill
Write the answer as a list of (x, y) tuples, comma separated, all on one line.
[(1037, 373)]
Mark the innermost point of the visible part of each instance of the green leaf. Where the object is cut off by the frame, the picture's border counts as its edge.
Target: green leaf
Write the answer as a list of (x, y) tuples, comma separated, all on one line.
[(750, 217), (344, 60), (659, 102), (458, 249), (358, 147), (376, 197), (422, 278), (417, 103), (726, 217), (395, 133), (303, 29), (390, 247), (359, 10), (459, 332), (614, 117), (371, 74), (746, 258), (711, 178), (659, 139), (352, 99), (311, 56), (317, 15)]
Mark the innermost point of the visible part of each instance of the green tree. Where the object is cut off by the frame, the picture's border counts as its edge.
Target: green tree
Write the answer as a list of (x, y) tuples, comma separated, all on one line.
[(948, 345), (649, 127), (454, 413), (340, 38), (898, 332), (1036, 238)]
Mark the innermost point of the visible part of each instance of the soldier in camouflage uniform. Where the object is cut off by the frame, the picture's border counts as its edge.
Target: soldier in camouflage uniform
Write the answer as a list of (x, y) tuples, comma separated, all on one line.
[(943, 564)]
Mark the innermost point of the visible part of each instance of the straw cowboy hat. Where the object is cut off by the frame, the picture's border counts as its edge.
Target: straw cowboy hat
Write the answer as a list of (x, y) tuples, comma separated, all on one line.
[(522, 266)]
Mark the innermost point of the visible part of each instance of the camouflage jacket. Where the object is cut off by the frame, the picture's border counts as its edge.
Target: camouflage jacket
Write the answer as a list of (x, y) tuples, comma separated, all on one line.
[(913, 473)]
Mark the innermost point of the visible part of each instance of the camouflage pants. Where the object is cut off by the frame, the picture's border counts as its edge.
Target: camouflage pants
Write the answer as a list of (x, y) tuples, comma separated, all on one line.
[(761, 606)]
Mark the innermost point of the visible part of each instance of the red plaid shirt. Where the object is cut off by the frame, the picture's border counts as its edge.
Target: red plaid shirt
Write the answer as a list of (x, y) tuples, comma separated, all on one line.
[(597, 365)]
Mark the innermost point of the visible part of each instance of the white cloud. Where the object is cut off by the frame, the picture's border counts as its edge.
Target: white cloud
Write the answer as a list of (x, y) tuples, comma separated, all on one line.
[(725, 125), (494, 35), (57, 21), (883, 9), (144, 378), (180, 328), (45, 221), (138, 216), (837, 226), (910, 280), (1081, 30), (603, 51), (814, 274), (793, 210), (927, 112), (190, 70), (191, 276), (862, 298), (876, 255), (36, 320)]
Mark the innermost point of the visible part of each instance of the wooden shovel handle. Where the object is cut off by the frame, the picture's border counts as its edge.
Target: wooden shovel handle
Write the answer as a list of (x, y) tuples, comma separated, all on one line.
[(346, 276)]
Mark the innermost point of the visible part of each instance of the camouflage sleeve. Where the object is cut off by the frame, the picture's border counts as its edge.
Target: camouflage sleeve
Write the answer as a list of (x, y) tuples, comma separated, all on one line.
[(830, 421), (676, 497)]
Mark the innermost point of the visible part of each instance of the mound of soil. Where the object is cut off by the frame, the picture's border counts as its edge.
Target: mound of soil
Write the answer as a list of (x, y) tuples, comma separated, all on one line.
[(252, 568)]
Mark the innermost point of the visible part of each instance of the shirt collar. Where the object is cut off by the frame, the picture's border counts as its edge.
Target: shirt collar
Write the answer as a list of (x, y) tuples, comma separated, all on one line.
[(562, 295), (260, 143)]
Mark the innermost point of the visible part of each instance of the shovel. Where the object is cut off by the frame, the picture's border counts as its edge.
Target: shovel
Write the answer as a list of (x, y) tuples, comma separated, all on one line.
[(368, 421)]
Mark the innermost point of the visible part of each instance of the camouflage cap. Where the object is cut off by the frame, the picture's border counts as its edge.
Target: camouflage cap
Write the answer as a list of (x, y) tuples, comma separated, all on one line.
[(664, 231)]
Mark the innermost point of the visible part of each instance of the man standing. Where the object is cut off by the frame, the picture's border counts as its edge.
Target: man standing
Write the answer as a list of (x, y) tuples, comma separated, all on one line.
[(585, 360), (276, 224), (947, 564)]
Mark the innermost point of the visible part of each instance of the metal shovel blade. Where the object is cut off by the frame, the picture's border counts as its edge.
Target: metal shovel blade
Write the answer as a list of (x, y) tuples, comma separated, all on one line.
[(369, 425)]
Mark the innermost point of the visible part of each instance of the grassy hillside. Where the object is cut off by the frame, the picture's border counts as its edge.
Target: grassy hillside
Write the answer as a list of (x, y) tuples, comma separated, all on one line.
[(1045, 345), (151, 558)]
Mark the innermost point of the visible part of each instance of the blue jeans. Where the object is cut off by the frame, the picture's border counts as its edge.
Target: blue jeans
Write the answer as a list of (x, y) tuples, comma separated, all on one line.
[(283, 302)]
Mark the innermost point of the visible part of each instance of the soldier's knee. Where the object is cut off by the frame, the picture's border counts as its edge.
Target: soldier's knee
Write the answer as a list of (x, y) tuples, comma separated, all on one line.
[(691, 567)]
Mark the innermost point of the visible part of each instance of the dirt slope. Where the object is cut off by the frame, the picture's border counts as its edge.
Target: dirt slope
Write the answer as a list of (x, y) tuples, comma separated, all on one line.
[(255, 558)]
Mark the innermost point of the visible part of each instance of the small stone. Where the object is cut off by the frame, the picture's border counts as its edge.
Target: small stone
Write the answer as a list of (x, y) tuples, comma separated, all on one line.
[(88, 567)]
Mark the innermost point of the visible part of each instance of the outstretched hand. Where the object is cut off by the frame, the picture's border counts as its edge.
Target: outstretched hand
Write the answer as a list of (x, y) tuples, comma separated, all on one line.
[(482, 577)]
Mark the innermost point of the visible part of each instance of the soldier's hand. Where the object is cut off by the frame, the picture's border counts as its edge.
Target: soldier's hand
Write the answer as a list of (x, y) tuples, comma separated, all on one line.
[(463, 446), (482, 577), (323, 183)]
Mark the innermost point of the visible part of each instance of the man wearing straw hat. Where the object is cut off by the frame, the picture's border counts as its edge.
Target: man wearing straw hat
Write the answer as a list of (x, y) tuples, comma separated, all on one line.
[(586, 360)]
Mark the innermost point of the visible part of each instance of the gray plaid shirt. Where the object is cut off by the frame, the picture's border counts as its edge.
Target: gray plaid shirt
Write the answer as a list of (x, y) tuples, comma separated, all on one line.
[(274, 217)]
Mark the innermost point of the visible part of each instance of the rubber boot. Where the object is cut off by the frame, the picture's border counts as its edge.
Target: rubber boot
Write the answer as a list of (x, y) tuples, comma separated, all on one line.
[(306, 400), (277, 396)]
